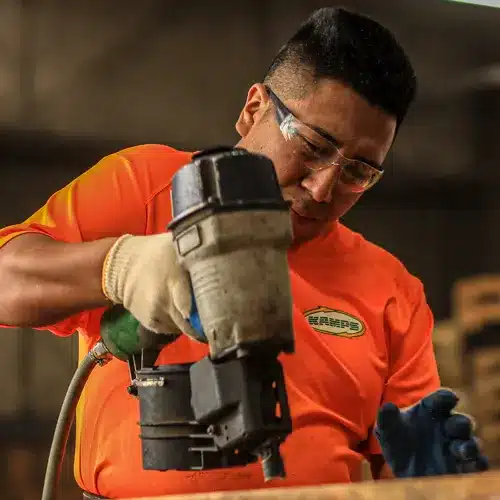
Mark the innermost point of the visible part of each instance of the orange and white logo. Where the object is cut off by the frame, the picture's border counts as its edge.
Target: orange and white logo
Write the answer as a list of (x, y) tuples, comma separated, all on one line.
[(334, 322)]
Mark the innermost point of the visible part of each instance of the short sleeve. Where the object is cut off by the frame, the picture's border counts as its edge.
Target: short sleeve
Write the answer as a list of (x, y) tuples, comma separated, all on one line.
[(413, 370), (107, 200)]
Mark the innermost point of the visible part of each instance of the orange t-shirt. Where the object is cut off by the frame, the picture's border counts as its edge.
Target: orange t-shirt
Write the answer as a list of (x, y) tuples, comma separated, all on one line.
[(362, 326)]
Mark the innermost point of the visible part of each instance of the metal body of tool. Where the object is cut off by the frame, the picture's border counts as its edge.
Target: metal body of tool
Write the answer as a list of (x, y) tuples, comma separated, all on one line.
[(232, 230)]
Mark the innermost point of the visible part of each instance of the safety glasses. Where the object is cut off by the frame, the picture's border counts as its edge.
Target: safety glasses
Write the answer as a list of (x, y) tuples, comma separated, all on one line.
[(320, 153)]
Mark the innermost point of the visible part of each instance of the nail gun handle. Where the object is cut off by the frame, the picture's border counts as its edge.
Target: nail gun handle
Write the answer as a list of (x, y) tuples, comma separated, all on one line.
[(150, 345), (151, 340)]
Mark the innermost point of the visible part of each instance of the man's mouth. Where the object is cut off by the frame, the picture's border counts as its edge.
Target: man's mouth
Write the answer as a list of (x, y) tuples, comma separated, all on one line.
[(306, 211), (305, 216)]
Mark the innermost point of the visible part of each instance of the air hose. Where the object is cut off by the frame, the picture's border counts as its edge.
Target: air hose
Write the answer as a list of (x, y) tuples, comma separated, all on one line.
[(99, 354)]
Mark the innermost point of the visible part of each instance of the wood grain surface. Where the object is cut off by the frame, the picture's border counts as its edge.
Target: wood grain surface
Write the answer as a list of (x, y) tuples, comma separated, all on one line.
[(484, 486)]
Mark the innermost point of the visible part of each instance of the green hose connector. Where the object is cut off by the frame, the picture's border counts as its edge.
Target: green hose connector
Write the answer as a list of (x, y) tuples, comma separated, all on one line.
[(120, 333)]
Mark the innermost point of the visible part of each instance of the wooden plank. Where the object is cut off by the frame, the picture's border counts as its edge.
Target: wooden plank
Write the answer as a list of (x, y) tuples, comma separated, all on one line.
[(484, 486)]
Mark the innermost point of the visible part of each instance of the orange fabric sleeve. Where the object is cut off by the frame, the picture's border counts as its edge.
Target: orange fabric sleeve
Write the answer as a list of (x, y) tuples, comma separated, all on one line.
[(107, 200), (414, 372)]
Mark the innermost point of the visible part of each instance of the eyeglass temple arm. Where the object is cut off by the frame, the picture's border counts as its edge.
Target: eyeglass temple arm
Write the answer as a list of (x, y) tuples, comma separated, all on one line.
[(281, 110)]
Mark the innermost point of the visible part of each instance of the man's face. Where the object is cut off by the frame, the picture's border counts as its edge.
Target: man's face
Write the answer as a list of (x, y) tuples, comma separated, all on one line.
[(318, 195)]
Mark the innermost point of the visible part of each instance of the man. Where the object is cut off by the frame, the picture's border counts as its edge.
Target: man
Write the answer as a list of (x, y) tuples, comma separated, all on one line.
[(326, 114)]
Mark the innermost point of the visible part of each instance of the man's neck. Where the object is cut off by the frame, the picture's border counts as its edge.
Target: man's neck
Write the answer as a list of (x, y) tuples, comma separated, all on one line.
[(330, 231)]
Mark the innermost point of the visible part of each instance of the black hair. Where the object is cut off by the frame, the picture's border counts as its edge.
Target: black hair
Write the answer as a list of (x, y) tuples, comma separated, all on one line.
[(351, 48)]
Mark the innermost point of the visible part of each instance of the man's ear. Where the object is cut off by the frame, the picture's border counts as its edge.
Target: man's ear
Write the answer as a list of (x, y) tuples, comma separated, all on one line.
[(253, 110)]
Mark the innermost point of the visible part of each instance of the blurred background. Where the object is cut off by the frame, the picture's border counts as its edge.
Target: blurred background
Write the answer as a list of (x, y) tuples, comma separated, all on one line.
[(82, 79)]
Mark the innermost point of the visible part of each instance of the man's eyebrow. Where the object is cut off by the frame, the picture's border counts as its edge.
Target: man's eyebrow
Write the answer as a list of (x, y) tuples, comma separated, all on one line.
[(323, 133), (329, 137)]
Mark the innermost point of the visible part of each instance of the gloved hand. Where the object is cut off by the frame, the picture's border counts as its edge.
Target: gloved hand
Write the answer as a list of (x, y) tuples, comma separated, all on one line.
[(143, 274), (427, 439)]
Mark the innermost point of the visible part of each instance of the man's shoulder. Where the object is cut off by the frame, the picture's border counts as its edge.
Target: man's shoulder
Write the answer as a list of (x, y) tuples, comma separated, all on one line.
[(383, 264), (366, 248), (153, 166), (155, 154)]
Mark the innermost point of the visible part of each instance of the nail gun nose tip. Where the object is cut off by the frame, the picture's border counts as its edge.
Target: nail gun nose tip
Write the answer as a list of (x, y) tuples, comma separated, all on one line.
[(272, 465)]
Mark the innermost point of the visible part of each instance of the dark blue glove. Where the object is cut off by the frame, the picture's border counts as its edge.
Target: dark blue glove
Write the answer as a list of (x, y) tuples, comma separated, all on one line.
[(427, 439)]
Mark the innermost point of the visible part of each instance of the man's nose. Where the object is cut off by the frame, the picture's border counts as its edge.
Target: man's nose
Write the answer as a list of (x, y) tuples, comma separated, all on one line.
[(320, 183)]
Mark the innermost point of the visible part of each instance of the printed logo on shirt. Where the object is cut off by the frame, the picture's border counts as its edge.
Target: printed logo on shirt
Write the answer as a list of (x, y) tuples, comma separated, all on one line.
[(333, 322)]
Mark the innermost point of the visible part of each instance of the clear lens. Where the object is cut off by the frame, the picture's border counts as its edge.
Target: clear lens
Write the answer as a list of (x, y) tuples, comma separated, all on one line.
[(319, 153)]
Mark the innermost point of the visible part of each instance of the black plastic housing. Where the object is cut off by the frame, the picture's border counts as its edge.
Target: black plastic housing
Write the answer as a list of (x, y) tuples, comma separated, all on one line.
[(225, 179), (171, 437)]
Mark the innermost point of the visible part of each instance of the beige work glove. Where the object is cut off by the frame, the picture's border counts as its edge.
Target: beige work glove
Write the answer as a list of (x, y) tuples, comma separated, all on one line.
[(143, 274)]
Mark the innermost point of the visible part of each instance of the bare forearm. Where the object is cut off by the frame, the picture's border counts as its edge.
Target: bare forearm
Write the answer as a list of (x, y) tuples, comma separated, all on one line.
[(43, 281)]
